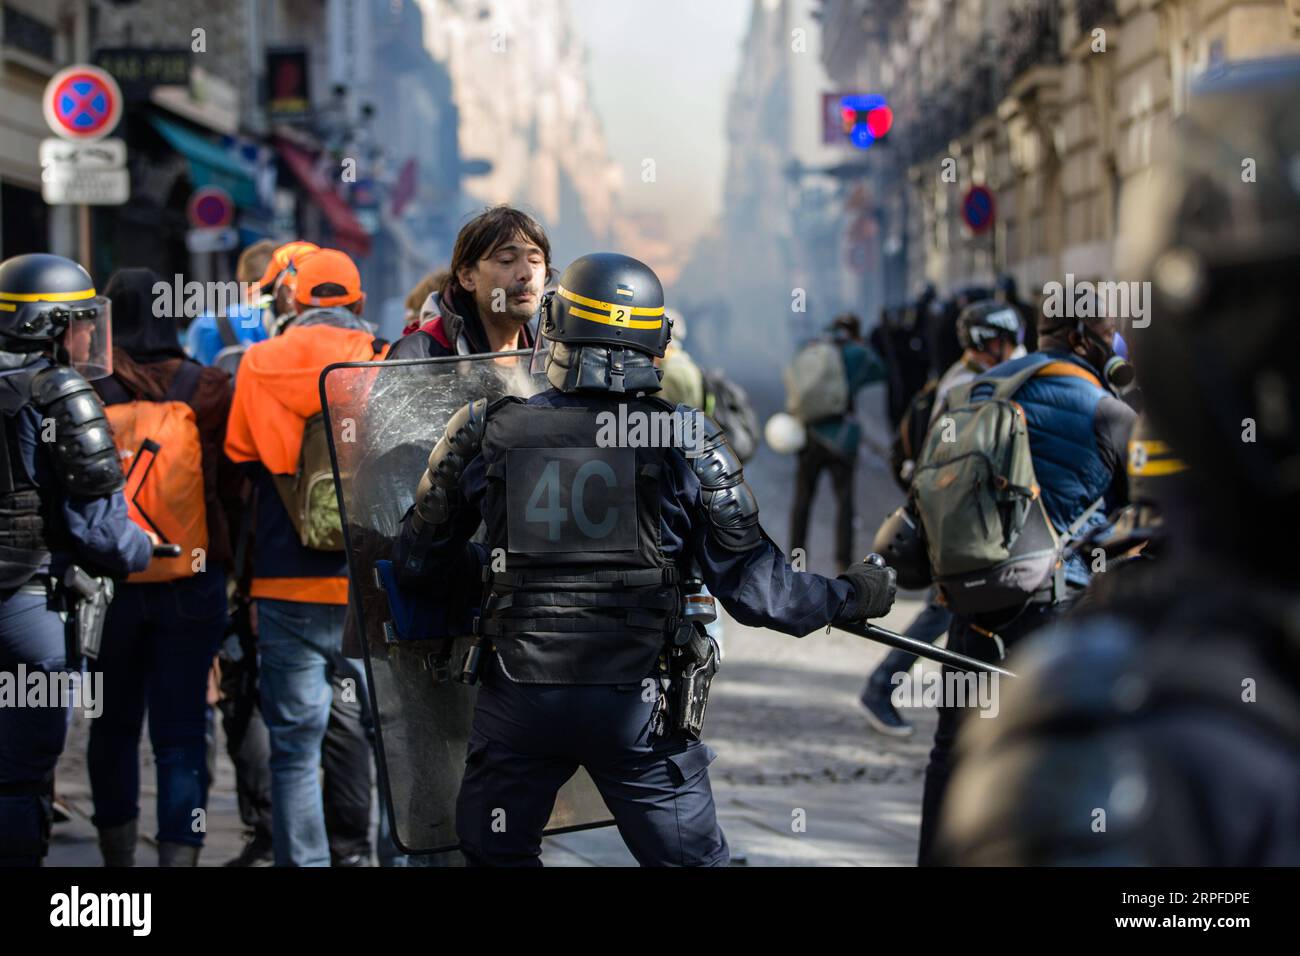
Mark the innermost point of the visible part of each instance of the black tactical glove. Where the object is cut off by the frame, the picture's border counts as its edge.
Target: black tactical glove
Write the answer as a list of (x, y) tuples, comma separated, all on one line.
[(874, 587)]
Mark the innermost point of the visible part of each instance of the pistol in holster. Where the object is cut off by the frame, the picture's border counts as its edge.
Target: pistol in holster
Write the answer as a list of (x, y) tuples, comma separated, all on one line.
[(694, 659), (88, 598)]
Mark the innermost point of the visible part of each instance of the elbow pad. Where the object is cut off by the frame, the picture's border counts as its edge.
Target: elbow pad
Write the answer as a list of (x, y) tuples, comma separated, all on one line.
[(85, 457), (458, 445), (729, 504)]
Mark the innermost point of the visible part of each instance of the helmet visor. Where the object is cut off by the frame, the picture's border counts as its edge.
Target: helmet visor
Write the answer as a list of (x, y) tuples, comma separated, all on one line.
[(541, 344), (89, 338)]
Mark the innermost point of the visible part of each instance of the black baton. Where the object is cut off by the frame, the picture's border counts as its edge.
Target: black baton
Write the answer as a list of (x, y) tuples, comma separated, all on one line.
[(922, 649)]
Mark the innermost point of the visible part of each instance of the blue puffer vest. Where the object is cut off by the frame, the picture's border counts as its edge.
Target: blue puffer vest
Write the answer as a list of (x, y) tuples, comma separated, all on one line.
[(1060, 410)]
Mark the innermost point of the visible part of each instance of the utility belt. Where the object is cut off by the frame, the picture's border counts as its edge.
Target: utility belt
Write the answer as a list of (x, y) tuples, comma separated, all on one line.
[(684, 668)]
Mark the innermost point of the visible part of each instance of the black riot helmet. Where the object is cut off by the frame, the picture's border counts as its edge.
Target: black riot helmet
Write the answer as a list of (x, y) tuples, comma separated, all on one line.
[(899, 542), (603, 326), (981, 322), (1217, 234), (48, 302)]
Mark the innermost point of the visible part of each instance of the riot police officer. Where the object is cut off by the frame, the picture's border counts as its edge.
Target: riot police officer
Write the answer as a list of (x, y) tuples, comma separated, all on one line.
[(1163, 726), (62, 519), (588, 545)]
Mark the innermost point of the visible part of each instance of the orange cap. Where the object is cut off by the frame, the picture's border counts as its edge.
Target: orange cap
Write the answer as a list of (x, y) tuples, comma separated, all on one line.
[(281, 259), (327, 266)]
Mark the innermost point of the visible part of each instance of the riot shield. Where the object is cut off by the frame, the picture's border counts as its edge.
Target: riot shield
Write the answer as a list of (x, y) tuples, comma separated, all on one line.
[(384, 418)]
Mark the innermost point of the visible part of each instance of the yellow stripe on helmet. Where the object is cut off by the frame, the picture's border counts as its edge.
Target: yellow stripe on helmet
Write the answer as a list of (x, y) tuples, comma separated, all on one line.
[(47, 296), (610, 306), (1145, 459), (618, 318)]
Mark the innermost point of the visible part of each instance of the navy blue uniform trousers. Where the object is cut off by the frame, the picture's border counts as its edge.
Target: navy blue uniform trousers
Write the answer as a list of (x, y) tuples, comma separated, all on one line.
[(31, 738), (529, 739)]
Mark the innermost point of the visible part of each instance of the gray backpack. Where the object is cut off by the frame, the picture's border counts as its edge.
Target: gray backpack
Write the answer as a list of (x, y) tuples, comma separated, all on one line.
[(817, 383), (990, 542), (232, 348)]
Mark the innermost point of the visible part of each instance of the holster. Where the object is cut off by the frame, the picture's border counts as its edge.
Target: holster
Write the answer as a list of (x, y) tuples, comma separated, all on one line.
[(695, 661), (88, 598)]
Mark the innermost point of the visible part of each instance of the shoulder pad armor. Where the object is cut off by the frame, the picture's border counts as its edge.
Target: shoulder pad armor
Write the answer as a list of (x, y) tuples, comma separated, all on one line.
[(460, 442), (86, 459), (730, 505)]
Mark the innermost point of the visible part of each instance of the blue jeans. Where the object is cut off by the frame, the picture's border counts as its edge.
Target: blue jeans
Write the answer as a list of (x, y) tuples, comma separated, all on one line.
[(31, 738), (159, 641), (296, 645)]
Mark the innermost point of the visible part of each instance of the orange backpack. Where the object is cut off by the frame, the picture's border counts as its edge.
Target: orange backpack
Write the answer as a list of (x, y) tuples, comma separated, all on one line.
[(162, 459)]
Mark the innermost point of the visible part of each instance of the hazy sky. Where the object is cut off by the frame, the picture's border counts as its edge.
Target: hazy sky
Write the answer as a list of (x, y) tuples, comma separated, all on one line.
[(661, 72)]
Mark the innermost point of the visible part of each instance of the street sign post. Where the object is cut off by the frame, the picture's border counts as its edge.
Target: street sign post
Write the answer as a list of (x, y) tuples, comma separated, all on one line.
[(83, 104), (84, 173)]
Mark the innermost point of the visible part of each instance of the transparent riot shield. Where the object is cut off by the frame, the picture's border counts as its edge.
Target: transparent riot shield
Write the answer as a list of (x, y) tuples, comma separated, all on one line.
[(384, 418)]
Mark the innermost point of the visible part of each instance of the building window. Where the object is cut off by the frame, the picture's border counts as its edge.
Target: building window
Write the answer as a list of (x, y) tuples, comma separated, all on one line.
[(29, 34)]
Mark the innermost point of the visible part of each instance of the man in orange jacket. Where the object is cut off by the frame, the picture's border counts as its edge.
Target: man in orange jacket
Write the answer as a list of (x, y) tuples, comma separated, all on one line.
[(300, 593)]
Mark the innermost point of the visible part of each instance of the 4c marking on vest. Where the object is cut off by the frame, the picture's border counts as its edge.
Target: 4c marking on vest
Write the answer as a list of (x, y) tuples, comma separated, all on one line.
[(567, 499)]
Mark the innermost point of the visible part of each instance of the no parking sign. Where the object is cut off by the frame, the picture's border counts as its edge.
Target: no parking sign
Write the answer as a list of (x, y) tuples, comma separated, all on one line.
[(977, 209), (80, 167), (82, 102)]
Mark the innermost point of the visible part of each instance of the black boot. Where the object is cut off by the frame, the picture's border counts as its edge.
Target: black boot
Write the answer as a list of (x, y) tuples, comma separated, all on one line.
[(257, 852)]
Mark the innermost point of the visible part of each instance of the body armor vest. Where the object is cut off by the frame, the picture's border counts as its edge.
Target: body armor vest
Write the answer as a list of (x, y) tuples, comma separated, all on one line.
[(23, 545), (586, 595)]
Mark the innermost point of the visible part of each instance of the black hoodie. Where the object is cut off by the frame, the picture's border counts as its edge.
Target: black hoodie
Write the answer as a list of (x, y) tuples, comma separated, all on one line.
[(136, 330)]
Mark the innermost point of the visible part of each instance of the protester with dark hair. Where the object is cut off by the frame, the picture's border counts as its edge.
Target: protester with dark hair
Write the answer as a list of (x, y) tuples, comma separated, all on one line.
[(164, 625), (499, 267)]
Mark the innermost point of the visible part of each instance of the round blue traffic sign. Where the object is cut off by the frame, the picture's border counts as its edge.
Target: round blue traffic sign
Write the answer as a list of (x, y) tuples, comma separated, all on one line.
[(977, 209)]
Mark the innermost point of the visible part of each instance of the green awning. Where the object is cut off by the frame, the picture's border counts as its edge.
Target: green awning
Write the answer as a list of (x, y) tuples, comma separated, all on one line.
[(210, 165)]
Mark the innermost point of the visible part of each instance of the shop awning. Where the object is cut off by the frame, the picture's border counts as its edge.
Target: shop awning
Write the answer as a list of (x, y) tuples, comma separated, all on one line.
[(210, 165), (349, 234)]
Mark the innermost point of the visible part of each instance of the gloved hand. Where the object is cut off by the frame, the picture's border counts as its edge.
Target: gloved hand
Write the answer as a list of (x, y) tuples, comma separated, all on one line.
[(874, 586)]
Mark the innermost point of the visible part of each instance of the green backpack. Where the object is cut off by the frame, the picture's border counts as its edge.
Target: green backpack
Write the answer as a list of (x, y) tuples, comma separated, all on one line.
[(309, 495), (990, 542)]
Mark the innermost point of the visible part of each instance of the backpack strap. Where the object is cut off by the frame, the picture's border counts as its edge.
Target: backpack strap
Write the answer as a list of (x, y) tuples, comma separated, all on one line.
[(111, 391), (227, 331), (1068, 368), (989, 386), (184, 383)]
